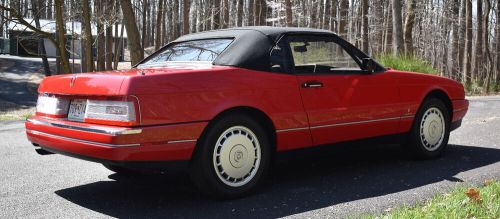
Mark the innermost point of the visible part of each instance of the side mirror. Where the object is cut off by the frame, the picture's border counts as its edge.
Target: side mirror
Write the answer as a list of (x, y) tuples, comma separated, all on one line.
[(300, 49), (368, 65)]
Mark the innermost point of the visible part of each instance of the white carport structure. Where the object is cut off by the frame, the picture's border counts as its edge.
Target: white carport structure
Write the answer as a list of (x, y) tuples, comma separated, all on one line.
[(20, 37)]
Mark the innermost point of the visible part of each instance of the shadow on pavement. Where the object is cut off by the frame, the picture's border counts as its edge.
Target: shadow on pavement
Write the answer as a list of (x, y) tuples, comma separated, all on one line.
[(17, 92), (313, 180), (15, 81)]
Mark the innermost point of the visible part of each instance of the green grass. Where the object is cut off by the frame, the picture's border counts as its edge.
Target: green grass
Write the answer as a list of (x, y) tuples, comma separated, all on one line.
[(15, 117), (406, 63), (456, 204)]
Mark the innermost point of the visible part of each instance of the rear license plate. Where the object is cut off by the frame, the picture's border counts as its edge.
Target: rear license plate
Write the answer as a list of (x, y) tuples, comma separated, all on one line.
[(77, 110)]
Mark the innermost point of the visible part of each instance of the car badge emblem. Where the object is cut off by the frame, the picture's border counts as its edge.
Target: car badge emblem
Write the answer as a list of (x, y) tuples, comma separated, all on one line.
[(72, 82)]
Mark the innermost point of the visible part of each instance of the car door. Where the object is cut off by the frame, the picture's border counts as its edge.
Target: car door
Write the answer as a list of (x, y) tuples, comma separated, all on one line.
[(342, 101)]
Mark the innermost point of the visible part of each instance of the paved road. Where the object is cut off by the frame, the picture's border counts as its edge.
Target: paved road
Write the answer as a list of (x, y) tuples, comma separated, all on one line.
[(15, 77), (338, 182)]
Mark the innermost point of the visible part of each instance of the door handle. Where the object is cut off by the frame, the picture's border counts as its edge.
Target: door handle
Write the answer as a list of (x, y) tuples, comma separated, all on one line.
[(312, 84)]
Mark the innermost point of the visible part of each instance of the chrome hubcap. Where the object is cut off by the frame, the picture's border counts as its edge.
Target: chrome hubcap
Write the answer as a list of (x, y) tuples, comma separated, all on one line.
[(236, 156), (432, 128)]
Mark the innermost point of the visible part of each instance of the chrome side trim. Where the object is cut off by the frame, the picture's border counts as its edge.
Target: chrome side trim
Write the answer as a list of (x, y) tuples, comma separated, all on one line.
[(92, 130), (182, 141), (354, 123), (292, 129), (346, 123), (79, 140), (407, 117)]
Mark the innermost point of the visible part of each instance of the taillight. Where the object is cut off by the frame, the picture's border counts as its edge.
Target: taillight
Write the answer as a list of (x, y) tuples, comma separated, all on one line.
[(110, 112), (119, 111), (52, 106)]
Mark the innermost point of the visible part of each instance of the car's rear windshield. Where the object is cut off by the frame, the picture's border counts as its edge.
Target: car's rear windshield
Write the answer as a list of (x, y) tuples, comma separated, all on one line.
[(205, 50)]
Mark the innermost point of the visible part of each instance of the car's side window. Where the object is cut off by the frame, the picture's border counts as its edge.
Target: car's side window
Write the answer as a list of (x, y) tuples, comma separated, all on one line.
[(320, 54)]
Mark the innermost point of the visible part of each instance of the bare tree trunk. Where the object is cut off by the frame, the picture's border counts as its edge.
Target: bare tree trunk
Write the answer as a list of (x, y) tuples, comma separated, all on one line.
[(314, 14), (144, 22), (158, 25), (49, 10), (461, 37), (101, 57), (61, 39), (88, 65), (118, 48), (497, 33), (149, 24), (175, 28), (487, 72), (410, 19), (288, 8), (133, 36), (454, 68), (333, 15), (468, 43), (344, 19), (185, 19), (261, 10), (364, 9), (478, 54), (109, 46), (388, 26), (164, 24), (216, 14), (41, 44), (328, 15), (397, 25), (239, 12), (486, 27), (2, 22), (109, 34), (225, 14)]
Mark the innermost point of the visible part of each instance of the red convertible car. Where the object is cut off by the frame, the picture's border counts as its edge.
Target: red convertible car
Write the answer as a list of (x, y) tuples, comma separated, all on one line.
[(227, 101)]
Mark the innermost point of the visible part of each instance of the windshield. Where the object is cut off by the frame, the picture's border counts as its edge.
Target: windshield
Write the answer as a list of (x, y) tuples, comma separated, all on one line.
[(190, 51)]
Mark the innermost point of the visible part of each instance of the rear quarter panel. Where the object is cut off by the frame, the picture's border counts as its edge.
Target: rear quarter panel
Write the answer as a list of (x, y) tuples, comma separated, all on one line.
[(200, 95)]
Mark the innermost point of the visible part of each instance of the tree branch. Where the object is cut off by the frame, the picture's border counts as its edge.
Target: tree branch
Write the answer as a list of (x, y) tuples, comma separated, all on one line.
[(20, 19)]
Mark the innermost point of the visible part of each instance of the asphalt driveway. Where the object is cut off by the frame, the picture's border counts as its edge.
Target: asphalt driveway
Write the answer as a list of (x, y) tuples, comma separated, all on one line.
[(328, 183)]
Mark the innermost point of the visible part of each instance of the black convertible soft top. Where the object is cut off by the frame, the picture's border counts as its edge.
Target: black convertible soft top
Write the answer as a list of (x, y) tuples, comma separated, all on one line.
[(251, 46)]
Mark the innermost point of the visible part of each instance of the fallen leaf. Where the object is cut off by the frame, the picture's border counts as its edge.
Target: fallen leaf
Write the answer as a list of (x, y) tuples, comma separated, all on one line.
[(473, 195)]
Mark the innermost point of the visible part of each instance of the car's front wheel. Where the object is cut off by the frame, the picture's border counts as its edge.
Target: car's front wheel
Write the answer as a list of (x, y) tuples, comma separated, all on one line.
[(232, 157), (431, 129)]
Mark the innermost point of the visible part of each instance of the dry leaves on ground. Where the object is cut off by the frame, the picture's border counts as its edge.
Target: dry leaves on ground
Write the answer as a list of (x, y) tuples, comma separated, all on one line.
[(473, 195)]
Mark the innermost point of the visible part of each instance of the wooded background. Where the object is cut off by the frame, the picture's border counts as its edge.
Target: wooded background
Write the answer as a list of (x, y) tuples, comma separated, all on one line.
[(459, 38)]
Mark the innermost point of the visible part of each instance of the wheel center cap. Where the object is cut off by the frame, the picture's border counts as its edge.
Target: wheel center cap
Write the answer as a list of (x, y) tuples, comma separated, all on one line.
[(238, 156), (433, 129)]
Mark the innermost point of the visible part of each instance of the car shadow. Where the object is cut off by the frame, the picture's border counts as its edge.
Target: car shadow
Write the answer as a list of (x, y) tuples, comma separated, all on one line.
[(314, 179)]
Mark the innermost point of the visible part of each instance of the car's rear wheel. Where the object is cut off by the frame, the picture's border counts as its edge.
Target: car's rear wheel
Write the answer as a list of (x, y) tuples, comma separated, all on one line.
[(431, 129), (232, 157)]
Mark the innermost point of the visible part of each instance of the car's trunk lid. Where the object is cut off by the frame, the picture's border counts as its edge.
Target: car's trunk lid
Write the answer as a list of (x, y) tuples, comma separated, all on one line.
[(102, 83)]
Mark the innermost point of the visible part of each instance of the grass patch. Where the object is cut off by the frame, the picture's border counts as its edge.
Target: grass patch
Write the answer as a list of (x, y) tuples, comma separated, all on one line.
[(406, 63), (461, 203), (15, 117)]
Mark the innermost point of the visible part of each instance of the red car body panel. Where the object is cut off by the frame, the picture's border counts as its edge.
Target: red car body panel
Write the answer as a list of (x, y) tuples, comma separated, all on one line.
[(155, 143), (176, 105)]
